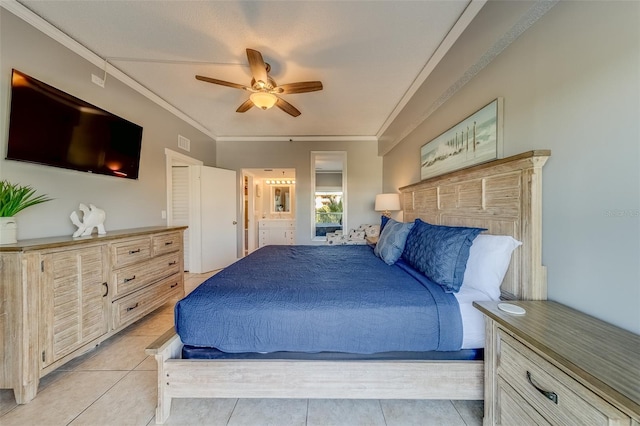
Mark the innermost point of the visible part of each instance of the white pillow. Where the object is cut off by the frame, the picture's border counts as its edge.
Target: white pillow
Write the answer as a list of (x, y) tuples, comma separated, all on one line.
[(489, 258), (370, 230), (355, 234)]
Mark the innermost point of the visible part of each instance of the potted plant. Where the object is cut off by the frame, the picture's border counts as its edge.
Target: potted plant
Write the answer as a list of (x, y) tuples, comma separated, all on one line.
[(13, 199)]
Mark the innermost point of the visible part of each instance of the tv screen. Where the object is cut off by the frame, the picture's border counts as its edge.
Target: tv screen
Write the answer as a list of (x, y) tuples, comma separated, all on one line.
[(48, 126)]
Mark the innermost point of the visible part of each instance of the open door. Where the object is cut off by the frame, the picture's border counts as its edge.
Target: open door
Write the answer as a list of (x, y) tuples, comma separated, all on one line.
[(250, 234), (212, 218)]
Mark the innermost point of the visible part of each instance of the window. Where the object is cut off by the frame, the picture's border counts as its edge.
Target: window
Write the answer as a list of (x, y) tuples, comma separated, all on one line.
[(328, 177)]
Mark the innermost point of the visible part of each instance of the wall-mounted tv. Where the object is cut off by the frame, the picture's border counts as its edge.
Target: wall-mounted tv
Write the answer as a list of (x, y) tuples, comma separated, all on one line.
[(48, 126)]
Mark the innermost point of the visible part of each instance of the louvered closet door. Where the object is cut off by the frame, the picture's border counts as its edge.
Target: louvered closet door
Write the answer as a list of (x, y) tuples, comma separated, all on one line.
[(74, 300), (180, 204)]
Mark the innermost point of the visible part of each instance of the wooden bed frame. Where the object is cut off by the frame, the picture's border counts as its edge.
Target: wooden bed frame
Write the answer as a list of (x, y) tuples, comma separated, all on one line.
[(503, 196)]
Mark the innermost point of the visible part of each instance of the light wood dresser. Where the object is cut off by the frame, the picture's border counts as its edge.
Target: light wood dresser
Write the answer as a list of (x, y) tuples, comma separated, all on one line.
[(555, 365), (62, 296)]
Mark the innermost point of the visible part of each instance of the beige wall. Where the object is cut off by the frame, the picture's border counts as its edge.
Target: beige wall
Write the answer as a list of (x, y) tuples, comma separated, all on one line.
[(127, 203), (364, 174), (570, 83)]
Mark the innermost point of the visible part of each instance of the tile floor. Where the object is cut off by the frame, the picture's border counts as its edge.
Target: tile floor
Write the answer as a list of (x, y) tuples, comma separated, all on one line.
[(115, 384)]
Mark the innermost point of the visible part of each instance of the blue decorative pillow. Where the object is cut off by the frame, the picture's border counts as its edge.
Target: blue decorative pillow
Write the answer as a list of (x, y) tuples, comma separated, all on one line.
[(383, 222), (440, 252), (391, 241)]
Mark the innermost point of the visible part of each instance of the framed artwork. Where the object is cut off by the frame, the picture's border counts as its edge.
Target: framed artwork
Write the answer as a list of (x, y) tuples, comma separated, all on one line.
[(476, 139)]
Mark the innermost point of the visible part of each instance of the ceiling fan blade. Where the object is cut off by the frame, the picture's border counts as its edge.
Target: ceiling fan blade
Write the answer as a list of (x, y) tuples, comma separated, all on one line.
[(258, 67), (301, 87), (246, 106), (287, 107), (220, 82)]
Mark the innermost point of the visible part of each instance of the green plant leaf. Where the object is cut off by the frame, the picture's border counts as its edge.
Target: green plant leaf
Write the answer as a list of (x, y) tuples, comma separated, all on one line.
[(15, 198)]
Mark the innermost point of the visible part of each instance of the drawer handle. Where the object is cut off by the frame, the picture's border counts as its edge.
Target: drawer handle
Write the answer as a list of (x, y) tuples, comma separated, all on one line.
[(174, 285), (134, 251), (126, 280), (132, 307), (173, 263), (548, 394), (106, 289), (168, 243)]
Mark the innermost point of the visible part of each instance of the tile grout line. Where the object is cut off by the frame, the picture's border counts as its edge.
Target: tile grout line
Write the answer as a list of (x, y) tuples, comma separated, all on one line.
[(384, 418), (99, 397), (97, 350), (306, 418), (459, 413), (232, 411)]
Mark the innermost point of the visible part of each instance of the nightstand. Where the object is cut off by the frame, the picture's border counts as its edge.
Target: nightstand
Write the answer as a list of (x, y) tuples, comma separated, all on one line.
[(555, 365)]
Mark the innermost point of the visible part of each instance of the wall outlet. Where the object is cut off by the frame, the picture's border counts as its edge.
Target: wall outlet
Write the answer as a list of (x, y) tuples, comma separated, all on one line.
[(163, 213), (97, 80)]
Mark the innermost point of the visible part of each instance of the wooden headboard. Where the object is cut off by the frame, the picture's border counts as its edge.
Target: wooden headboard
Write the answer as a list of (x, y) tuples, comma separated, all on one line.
[(503, 196)]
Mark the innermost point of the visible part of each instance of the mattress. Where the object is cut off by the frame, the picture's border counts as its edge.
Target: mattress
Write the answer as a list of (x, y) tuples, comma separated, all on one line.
[(325, 299), (472, 319), (194, 352)]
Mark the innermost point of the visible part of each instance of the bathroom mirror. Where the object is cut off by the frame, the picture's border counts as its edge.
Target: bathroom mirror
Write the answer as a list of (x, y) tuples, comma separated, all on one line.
[(280, 199)]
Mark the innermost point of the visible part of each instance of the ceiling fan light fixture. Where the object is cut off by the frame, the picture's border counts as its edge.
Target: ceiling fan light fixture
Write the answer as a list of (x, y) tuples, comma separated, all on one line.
[(263, 100), (263, 88)]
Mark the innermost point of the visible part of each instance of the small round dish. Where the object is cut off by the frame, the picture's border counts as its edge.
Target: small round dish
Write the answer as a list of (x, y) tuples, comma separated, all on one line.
[(511, 308)]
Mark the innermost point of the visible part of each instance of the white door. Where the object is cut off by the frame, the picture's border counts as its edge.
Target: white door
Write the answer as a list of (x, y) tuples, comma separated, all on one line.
[(212, 218)]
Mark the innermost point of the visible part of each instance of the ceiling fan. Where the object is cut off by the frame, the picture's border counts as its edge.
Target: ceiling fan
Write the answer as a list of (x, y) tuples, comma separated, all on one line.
[(264, 89)]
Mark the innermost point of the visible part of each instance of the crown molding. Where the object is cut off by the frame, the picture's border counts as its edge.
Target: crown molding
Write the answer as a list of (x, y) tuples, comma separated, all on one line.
[(297, 139), (535, 12), (452, 36)]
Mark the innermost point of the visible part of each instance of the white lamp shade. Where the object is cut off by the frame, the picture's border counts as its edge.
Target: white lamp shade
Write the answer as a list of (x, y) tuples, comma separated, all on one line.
[(387, 202), (263, 100)]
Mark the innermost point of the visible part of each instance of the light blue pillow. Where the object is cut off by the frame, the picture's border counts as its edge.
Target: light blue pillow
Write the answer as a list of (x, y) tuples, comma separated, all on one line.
[(391, 242), (440, 252)]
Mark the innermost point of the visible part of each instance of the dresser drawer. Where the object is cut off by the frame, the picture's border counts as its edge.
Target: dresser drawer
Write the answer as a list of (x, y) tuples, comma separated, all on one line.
[(165, 243), (133, 277), (130, 251), (264, 237), (136, 305), (514, 410), (529, 374), (269, 224)]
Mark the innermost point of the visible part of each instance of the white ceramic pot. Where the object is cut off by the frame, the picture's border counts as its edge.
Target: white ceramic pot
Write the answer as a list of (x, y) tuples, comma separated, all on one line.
[(8, 230)]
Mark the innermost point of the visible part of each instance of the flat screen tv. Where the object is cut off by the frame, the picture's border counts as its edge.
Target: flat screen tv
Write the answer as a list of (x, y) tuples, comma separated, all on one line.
[(48, 126)]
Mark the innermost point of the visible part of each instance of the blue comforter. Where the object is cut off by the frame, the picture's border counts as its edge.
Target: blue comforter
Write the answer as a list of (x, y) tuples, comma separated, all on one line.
[(315, 299)]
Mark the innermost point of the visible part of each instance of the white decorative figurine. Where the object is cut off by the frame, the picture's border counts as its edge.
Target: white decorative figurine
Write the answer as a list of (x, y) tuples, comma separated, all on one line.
[(92, 217)]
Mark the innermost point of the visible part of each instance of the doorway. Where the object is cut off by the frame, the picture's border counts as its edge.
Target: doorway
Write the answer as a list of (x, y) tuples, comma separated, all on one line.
[(202, 198), (177, 166), (249, 232), (259, 201)]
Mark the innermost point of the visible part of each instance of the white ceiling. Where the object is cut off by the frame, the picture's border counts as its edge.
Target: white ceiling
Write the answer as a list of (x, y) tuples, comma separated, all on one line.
[(370, 56)]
